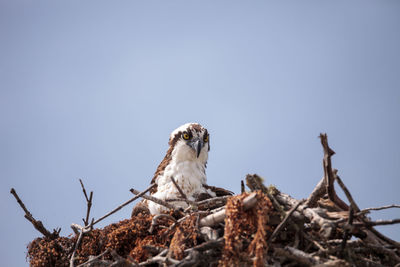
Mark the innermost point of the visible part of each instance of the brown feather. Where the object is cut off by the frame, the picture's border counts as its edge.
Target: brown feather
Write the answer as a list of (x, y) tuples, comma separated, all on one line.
[(164, 163)]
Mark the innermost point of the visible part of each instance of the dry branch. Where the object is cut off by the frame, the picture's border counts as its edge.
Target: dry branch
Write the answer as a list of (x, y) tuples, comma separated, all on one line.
[(219, 216), (151, 198), (37, 224), (138, 195)]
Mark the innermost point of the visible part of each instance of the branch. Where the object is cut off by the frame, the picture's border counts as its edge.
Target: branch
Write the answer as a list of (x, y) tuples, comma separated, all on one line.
[(346, 234), (77, 244), (155, 218), (189, 202), (91, 260), (219, 216), (284, 221), (328, 174), (367, 210), (88, 201), (346, 192), (297, 255), (139, 194), (151, 198), (379, 222), (318, 192), (37, 224)]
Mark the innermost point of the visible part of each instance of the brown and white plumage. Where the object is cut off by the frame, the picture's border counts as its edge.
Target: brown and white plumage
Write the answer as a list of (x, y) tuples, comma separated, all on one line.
[(185, 161)]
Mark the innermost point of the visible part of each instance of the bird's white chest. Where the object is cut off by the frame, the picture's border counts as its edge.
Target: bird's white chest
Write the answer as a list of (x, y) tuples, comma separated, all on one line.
[(189, 175)]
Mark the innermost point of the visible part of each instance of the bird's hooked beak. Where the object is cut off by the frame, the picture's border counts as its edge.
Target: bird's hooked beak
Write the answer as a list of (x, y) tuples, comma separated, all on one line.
[(196, 144)]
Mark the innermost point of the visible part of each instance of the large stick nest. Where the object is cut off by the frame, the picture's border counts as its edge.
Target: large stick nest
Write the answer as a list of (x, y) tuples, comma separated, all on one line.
[(259, 227)]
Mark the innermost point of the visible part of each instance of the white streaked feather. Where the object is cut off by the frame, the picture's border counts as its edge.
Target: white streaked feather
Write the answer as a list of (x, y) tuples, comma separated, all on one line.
[(188, 171)]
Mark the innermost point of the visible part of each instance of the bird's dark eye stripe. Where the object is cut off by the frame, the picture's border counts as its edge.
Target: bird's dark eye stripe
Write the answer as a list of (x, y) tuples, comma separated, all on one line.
[(186, 135)]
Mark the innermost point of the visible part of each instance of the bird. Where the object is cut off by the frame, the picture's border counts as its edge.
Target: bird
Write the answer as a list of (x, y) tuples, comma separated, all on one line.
[(185, 162)]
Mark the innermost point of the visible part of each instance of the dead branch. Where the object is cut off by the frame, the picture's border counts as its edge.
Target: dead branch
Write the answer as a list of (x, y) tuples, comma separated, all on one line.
[(346, 192), (318, 192), (77, 244), (155, 218), (297, 255), (284, 221), (212, 202), (367, 210), (328, 173), (378, 222), (37, 224), (183, 195), (94, 258), (219, 216), (346, 234), (138, 195), (88, 201), (156, 200)]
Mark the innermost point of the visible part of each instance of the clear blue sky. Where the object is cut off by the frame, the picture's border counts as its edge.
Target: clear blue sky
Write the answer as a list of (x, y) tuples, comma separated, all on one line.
[(92, 89)]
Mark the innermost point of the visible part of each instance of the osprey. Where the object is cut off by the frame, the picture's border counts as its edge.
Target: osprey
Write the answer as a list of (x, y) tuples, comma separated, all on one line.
[(185, 162)]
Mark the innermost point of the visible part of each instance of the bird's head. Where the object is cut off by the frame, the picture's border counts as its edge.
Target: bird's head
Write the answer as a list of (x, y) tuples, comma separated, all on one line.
[(190, 142)]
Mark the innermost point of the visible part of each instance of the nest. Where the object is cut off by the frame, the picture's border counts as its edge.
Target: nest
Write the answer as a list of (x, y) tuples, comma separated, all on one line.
[(259, 227)]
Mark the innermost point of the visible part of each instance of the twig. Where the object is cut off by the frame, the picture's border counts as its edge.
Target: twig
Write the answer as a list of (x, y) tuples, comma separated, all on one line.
[(183, 195), (297, 255), (120, 261), (160, 258), (212, 244), (317, 193), (284, 221), (242, 188), (346, 234), (94, 258), (37, 224), (155, 218), (328, 174), (364, 211), (379, 222), (138, 195), (88, 201), (156, 200), (219, 216), (346, 192), (212, 202), (77, 244)]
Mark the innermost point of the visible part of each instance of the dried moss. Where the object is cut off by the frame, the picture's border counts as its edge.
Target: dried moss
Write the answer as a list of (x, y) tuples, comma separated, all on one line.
[(242, 226)]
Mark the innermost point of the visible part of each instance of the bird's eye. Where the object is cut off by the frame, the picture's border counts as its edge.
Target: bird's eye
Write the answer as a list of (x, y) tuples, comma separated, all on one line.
[(206, 138), (186, 136)]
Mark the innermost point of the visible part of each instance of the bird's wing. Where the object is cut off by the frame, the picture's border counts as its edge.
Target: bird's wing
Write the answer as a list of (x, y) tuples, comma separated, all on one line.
[(218, 190)]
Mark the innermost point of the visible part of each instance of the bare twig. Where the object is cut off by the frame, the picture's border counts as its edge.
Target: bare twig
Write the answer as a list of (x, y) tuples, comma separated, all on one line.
[(346, 192), (88, 201), (346, 234), (183, 195), (364, 211), (138, 195), (379, 222), (219, 216), (328, 174), (297, 255), (317, 193), (77, 244), (284, 221), (37, 224), (155, 218), (151, 198), (94, 258), (242, 188)]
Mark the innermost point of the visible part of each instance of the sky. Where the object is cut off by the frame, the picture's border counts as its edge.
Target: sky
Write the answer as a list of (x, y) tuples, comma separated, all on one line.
[(91, 90)]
